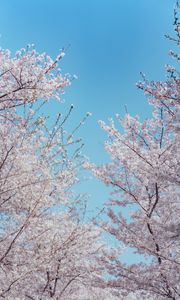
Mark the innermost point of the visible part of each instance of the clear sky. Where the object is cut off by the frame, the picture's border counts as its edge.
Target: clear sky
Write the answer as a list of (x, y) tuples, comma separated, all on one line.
[(111, 41)]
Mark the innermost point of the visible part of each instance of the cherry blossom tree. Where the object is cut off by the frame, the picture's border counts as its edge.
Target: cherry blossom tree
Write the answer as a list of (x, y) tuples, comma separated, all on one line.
[(144, 209), (46, 250)]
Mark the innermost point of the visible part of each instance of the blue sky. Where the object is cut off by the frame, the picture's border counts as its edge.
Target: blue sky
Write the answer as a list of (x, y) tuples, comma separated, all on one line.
[(111, 41)]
